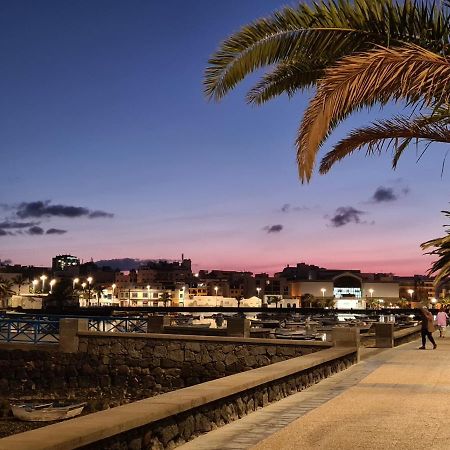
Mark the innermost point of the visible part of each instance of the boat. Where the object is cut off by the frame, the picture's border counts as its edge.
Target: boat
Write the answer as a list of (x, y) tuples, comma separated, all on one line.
[(47, 412)]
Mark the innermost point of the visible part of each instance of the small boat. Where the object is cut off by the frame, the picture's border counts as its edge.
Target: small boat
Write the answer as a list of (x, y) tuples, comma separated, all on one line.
[(46, 412)]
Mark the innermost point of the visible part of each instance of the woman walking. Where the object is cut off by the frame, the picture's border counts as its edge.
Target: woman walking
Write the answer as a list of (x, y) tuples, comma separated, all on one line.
[(427, 328), (441, 320)]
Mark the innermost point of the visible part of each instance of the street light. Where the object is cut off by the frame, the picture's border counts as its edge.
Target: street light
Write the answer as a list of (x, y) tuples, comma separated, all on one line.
[(371, 292), (34, 283), (43, 278), (52, 283), (89, 280), (323, 290), (411, 292), (75, 281)]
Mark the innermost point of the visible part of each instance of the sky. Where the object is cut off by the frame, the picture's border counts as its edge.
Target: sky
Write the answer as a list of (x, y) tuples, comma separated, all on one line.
[(109, 149)]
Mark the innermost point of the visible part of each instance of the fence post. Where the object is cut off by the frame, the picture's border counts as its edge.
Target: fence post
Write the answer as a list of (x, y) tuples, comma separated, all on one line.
[(384, 335), (156, 324), (68, 334), (238, 326), (347, 337)]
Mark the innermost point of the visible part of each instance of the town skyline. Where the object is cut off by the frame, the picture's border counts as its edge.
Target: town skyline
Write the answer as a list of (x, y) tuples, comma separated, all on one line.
[(112, 149)]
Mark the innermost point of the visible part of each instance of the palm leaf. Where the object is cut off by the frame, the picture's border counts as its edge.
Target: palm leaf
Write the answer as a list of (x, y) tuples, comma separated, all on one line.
[(383, 134), (328, 30), (286, 78), (441, 249), (361, 80)]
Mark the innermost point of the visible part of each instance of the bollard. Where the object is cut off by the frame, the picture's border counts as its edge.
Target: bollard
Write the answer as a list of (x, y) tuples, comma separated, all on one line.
[(156, 324), (238, 326), (68, 334), (384, 335), (347, 337)]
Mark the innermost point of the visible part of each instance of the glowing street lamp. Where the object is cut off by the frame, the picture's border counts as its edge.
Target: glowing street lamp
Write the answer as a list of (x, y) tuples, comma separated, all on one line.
[(89, 280), (34, 283), (371, 292), (113, 287), (75, 281), (411, 292), (43, 278), (323, 290), (52, 283)]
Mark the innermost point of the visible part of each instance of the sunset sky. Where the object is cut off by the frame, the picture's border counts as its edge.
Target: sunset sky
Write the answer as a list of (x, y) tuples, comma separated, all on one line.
[(102, 110)]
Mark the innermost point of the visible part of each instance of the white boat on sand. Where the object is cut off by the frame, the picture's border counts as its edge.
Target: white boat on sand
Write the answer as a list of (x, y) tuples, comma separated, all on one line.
[(46, 412)]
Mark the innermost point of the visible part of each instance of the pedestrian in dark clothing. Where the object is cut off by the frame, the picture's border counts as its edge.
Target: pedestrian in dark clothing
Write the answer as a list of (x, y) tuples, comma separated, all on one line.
[(427, 328)]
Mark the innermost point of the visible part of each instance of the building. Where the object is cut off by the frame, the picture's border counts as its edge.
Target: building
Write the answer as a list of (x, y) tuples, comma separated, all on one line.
[(65, 263)]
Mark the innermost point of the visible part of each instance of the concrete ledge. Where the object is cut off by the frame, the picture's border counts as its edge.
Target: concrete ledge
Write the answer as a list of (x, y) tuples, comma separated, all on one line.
[(407, 331), (92, 428), (219, 339), (30, 346)]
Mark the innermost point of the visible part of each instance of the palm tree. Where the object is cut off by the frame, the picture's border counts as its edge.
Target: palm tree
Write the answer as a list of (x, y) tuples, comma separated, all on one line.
[(18, 281), (6, 291), (313, 46), (166, 297), (441, 249)]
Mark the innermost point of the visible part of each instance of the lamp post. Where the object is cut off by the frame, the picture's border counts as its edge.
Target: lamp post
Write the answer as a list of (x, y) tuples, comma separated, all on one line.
[(258, 290), (52, 283), (323, 290), (371, 293), (411, 292), (216, 289), (43, 278), (113, 287), (74, 282), (34, 283), (89, 280)]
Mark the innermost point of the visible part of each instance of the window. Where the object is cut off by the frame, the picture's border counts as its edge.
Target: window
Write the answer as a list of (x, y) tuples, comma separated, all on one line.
[(144, 295), (134, 295), (155, 295)]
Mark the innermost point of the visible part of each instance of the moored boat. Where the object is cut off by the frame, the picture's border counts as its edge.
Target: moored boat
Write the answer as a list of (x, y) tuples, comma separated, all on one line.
[(46, 412)]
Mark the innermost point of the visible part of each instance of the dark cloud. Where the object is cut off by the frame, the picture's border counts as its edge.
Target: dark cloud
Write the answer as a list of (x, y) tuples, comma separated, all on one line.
[(55, 231), (384, 194), (7, 225), (273, 228), (287, 207), (27, 210), (345, 215), (3, 232), (35, 231), (6, 262), (99, 214)]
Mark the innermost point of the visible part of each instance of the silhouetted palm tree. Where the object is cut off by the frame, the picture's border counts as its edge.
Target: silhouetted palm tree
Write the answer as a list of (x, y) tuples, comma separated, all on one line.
[(6, 291)]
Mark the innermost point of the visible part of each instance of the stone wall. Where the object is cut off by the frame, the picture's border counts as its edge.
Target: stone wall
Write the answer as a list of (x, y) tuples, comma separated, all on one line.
[(177, 429), (110, 370)]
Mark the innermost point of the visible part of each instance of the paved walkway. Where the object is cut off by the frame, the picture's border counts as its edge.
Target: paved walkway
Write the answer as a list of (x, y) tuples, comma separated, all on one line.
[(397, 398)]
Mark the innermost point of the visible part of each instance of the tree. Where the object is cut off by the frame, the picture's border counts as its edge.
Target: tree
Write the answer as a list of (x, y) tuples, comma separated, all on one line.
[(62, 296), (18, 281), (6, 291), (307, 300), (275, 299), (239, 299), (166, 297), (332, 41), (442, 250)]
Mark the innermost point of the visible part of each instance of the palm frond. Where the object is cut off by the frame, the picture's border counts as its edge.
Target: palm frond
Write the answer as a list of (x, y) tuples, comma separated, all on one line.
[(286, 78), (441, 249), (411, 72), (328, 30), (382, 135)]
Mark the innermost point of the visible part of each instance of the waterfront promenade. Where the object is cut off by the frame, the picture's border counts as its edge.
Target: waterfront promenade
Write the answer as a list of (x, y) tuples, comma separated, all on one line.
[(396, 398)]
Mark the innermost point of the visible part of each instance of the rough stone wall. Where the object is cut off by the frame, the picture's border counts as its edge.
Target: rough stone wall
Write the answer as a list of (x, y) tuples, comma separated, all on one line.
[(178, 429), (112, 371)]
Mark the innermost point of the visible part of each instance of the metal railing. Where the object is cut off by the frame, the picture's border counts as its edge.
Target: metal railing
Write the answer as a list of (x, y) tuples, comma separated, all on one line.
[(117, 324), (29, 331)]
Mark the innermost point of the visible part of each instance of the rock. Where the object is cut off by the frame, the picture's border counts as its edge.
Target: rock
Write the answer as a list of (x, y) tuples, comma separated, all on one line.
[(135, 444), (202, 423), (193, 346), (230, 359), (167, 432), (186, 427)]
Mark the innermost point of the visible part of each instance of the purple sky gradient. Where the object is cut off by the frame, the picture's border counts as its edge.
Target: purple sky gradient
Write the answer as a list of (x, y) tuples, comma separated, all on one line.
[(103, 108)]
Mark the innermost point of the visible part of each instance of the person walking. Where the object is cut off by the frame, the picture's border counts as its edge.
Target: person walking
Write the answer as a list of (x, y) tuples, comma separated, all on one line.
[(427, 328), (441, 320)]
